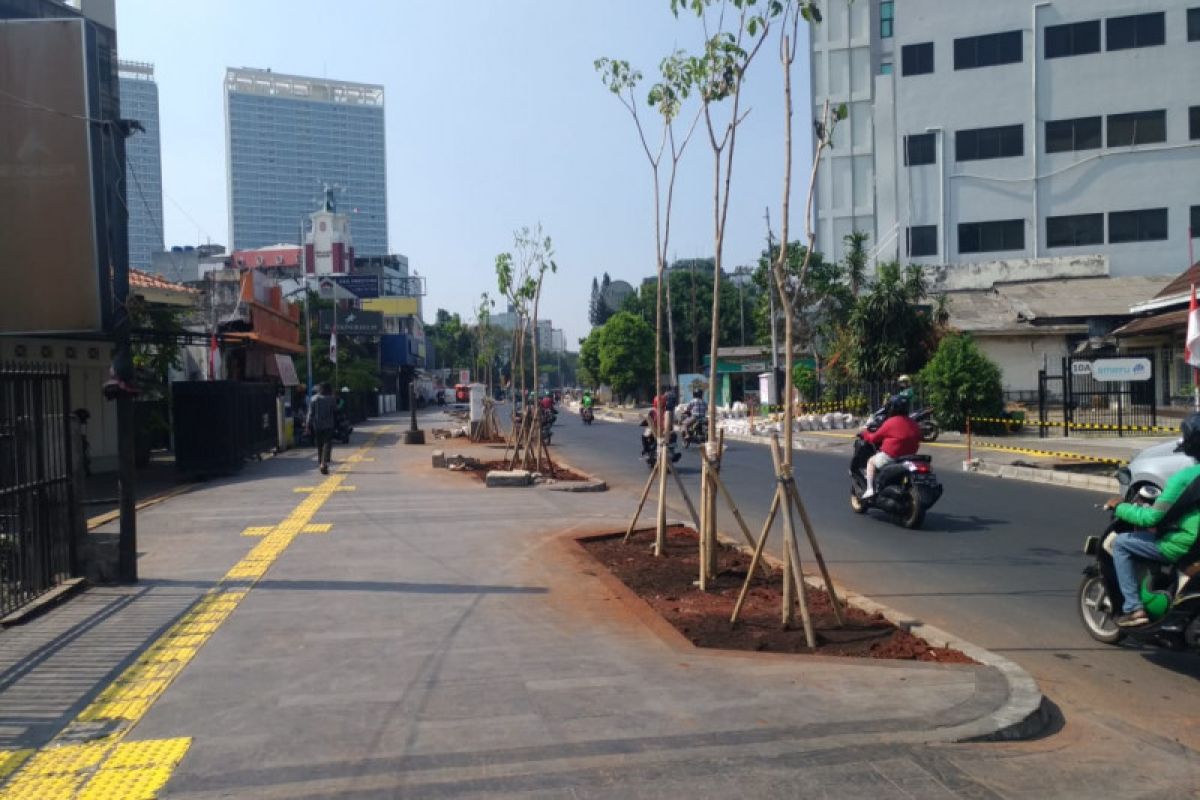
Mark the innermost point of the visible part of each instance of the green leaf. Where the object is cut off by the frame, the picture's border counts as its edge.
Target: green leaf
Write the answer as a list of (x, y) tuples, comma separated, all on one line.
[(842, 112)]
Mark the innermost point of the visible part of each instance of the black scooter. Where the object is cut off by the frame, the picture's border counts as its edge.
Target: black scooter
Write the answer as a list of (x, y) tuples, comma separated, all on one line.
[(904, 489), (587, 415), (695, 430), (1170, 593), (650, 446)]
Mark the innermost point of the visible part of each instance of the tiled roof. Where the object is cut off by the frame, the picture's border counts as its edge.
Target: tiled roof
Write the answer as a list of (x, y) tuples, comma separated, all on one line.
[(148, 280), (1012, 307), (1182, 284)]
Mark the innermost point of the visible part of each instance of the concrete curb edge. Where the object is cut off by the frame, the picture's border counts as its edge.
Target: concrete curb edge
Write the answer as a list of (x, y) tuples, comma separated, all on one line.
[(1023, 715)]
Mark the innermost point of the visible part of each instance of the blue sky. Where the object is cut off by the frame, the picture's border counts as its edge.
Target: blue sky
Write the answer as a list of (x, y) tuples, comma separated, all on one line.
[(495, 119)]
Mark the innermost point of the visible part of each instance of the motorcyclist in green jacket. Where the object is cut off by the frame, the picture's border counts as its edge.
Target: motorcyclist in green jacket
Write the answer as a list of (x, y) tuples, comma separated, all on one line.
[(1150, 545)]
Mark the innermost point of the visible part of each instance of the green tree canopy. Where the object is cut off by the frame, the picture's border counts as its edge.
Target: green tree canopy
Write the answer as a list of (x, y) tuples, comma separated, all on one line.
[(961, 381), (625, 349)]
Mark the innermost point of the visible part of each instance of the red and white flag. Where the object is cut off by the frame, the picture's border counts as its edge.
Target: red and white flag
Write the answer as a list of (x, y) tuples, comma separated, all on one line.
[(1192, 343)]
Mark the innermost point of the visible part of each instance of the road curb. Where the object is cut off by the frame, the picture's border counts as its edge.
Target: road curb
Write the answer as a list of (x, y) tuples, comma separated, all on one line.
[(592, 484), (1072, 480), (1023, 715)]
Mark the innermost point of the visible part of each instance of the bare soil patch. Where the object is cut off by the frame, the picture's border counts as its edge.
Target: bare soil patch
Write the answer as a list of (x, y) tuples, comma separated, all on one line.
[(666, 584)]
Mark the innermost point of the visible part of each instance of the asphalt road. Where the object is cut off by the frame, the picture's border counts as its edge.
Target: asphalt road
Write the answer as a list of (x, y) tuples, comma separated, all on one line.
[(997, 562)]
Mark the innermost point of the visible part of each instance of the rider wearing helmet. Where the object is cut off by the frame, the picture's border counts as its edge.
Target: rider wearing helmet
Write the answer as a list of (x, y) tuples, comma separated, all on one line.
[(1156, 545), (897, 437), (905, 390)]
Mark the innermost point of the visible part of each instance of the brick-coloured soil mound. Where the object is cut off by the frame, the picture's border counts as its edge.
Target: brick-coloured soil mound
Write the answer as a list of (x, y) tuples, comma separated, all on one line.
[(666, 584)]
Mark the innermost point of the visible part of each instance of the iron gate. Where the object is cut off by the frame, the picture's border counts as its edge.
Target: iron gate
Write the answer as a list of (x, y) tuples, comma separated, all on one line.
[(1075, 400), (37, 492)]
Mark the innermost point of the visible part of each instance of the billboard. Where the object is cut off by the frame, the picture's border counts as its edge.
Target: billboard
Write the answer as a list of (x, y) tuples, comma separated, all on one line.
[(49, 253), (392, 306), (352, 323)]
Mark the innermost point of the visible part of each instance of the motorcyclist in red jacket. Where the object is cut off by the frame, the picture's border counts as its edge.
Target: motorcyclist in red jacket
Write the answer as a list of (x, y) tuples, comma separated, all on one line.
[(897, 437)]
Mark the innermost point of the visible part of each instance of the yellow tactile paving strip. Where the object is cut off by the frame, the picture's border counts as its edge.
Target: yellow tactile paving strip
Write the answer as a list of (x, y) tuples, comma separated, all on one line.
[(104, 766)]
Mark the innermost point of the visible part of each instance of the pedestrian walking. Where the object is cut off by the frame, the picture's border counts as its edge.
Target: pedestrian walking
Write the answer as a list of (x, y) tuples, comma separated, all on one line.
[(322, 419)]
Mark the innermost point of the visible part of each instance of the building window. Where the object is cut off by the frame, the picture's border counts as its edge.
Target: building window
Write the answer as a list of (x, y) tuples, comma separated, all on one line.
[(1138, 30), (1141, 127), (988, 50), (1194, 122), (1147, 225), (989, 237), (980, 143), (1075, 39), (887, 15), (920, 148), (1063, 135), (885, 68), (916, 59), (1074, 231), (1193, 24), (923, 240)]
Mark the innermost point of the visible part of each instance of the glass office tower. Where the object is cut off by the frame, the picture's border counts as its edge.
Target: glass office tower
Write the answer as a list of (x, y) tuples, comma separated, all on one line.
[(288, 137), (143, 162)]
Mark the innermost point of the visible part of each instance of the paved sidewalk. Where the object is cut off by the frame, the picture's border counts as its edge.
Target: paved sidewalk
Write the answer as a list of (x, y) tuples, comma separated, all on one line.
[(392, 631)]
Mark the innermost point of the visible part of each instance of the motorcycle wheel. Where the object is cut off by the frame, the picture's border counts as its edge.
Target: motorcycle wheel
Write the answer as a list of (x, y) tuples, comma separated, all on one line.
[(930, 432), (1096, 611), (916, 512), (856, 503)]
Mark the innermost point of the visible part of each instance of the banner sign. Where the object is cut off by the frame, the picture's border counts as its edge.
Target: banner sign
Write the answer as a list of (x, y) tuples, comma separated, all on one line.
[(357, 285), (353, 322), (1121, 369)]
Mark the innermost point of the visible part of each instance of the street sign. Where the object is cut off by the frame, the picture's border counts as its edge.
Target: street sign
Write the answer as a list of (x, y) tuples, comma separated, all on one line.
[(1081, 368), (1121, 369), (464, 376), (353, 323)]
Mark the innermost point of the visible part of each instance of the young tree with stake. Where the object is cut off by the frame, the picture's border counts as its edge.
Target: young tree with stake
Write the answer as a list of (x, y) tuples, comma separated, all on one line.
[(667, 98)]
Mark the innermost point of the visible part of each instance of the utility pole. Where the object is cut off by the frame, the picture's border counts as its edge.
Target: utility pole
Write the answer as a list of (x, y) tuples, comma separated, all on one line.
[(307, 318)]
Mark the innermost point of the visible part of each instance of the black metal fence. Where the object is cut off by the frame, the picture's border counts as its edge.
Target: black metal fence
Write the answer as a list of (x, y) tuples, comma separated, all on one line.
[(1071, 396), (38, 502), (220, 424)]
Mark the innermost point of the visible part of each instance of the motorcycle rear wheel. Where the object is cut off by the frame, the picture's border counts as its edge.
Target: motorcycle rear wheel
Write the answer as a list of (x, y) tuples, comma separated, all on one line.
[(916, 512), (1096, 611), (929, 432)]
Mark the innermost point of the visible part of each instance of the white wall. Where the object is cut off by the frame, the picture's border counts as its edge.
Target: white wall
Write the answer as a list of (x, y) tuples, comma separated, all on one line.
[(1020, 357), (1089, 181), (87, 371)]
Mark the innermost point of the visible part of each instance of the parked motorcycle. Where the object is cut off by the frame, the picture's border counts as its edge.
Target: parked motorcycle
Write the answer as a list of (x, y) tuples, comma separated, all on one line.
[(587, 415), (929, 428), (1170, 593), (650, 446), (923, 417), (342, 430), (904, 489)]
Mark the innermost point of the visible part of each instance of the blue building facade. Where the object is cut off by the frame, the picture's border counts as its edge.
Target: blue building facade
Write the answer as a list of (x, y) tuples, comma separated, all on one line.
[(143, 162), (288, 137)]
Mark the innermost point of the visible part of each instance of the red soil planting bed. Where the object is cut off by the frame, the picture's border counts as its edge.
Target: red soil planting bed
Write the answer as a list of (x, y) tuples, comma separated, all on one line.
[(555, 472), (703, 617)]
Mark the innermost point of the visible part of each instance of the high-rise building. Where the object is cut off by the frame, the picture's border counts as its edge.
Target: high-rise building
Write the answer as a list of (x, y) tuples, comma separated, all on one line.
[(290, 138), (143, 162), (1027, 132)]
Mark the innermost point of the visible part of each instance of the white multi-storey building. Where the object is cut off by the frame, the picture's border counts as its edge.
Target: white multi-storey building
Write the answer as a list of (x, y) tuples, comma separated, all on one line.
[(1011, 130)]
